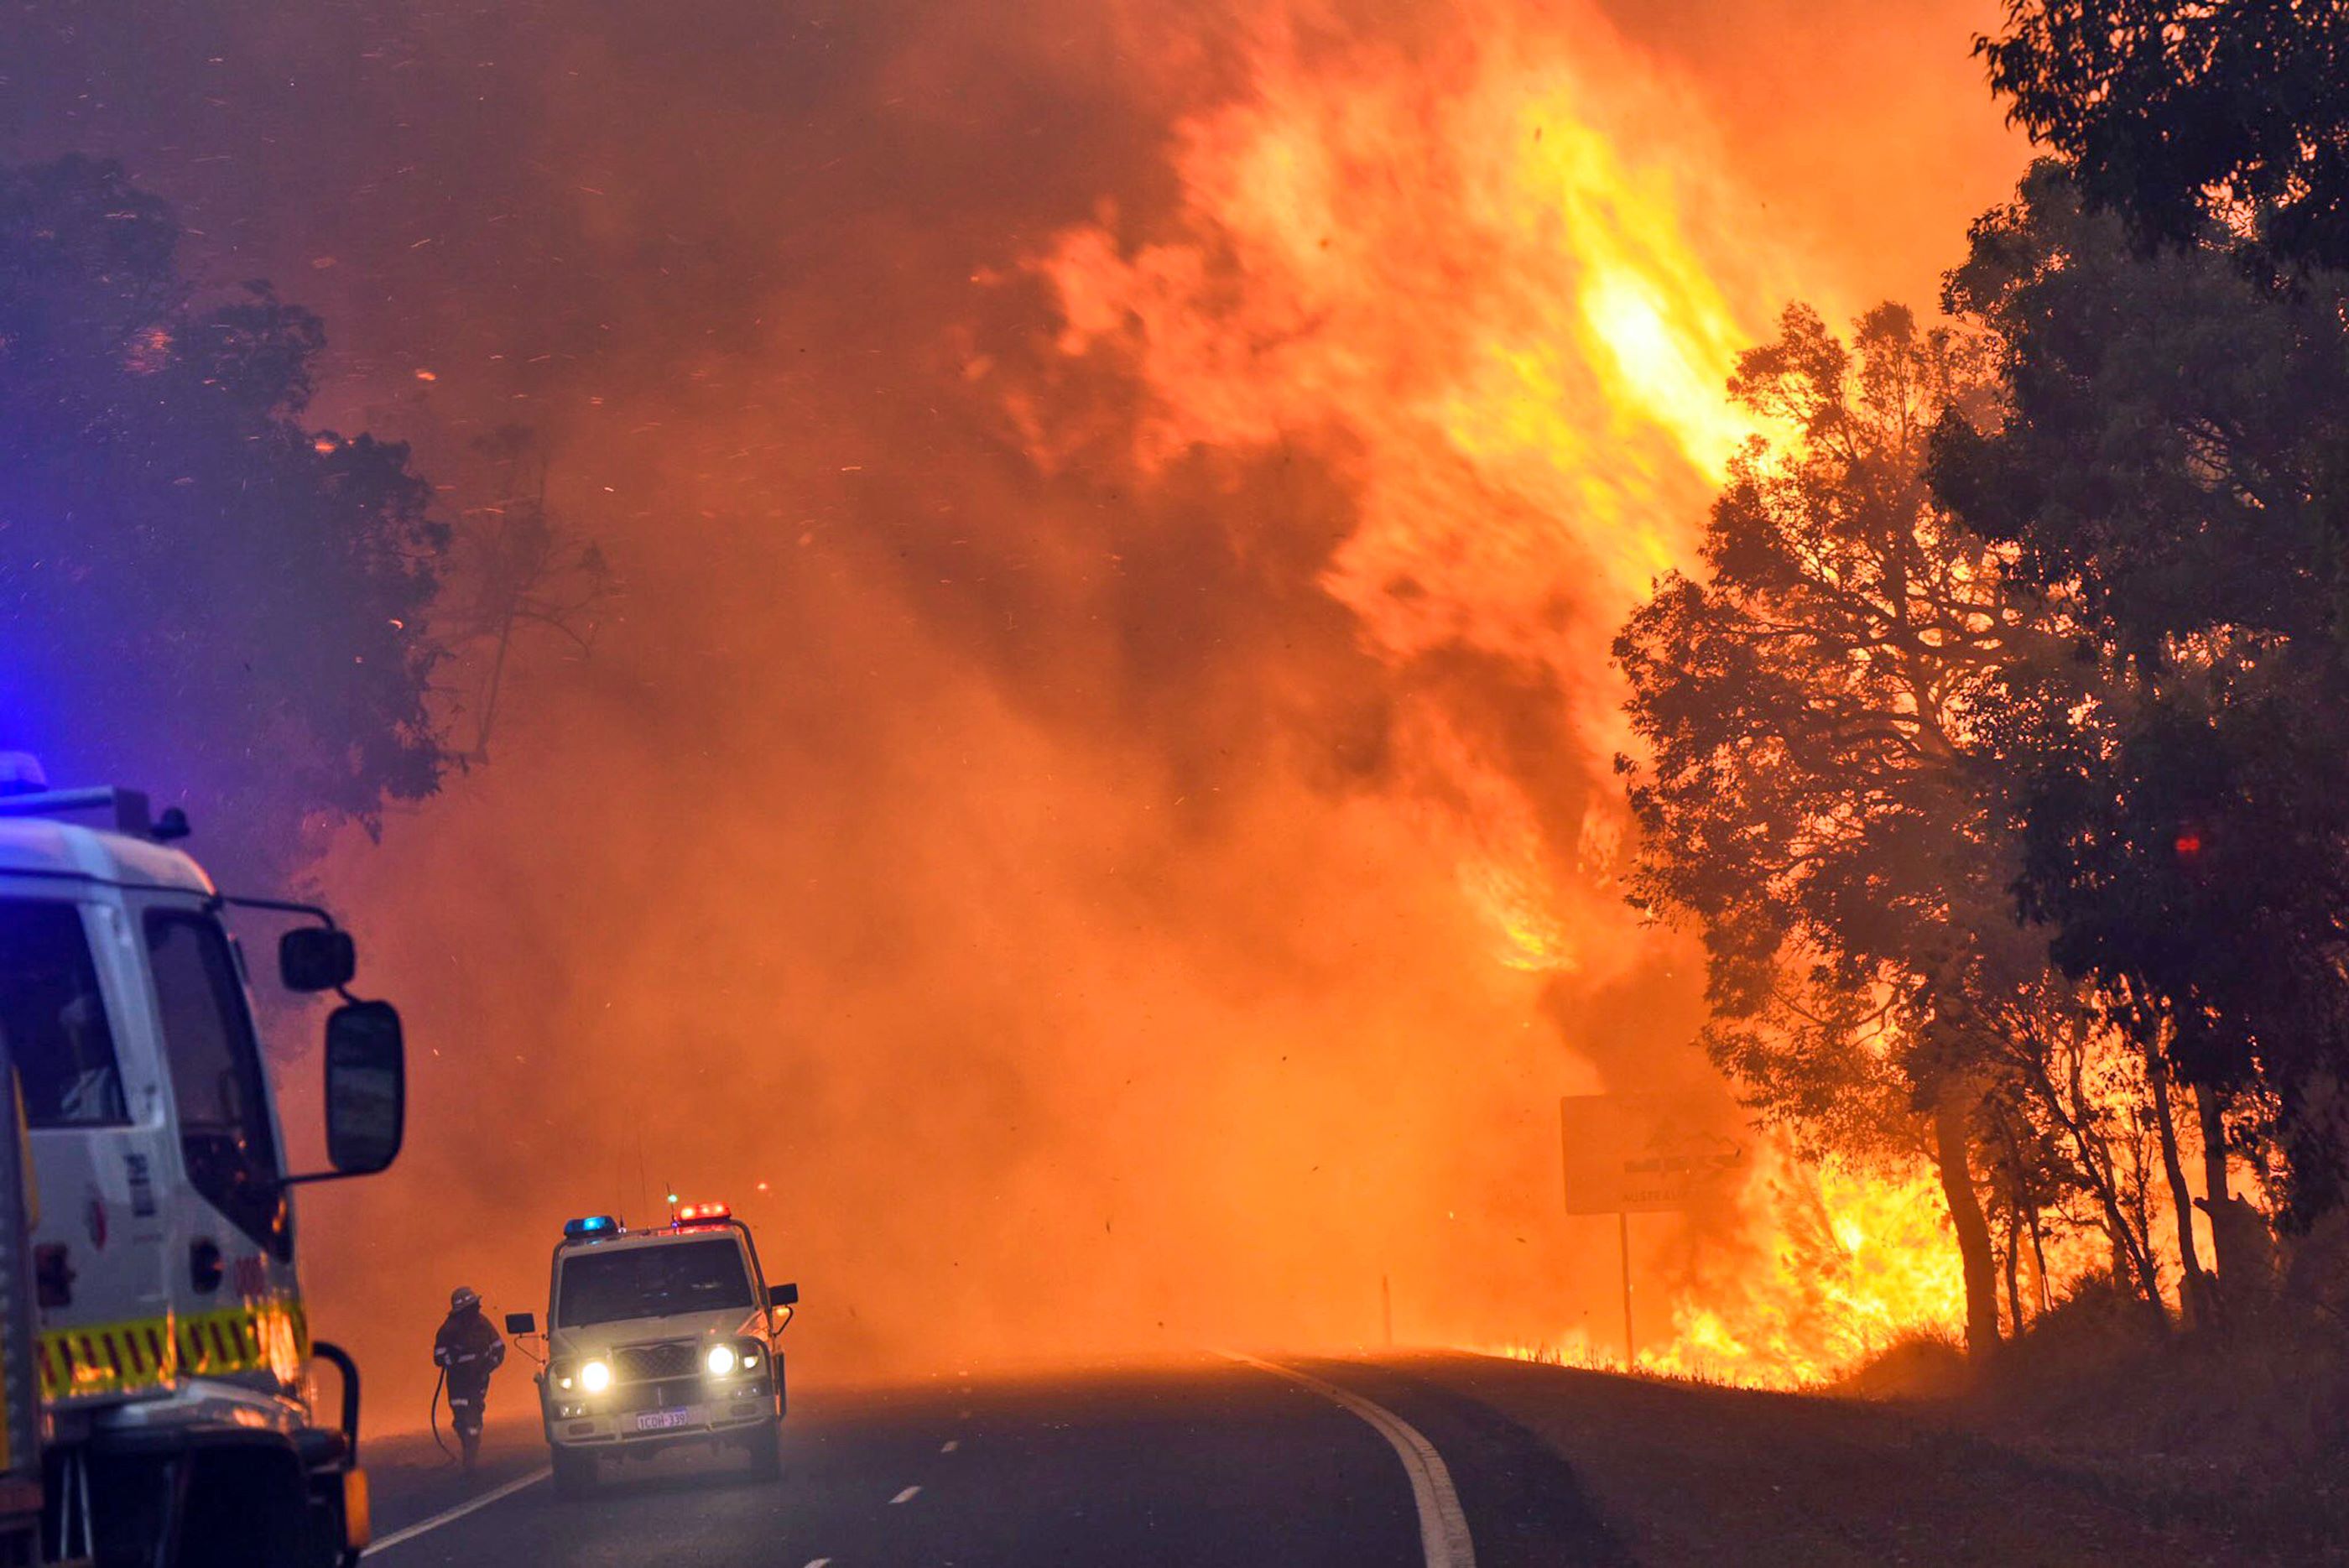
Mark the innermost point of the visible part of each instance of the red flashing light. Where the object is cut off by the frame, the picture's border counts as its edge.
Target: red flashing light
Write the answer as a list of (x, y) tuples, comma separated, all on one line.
[(692, 1213), (2189, 845)]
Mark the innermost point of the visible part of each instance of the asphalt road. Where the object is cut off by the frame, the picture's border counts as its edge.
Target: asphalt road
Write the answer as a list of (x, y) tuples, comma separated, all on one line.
[(1205, 1462)]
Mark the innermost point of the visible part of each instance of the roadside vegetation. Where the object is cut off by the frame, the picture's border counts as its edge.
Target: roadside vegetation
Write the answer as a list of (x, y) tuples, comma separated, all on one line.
[(204, 594), (1999, 746)]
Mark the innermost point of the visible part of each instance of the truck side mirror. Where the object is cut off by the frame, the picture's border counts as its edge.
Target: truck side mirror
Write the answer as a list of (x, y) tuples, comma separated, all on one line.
[(366, 1088), (785, 1295), (521, 1323), (317, 958)]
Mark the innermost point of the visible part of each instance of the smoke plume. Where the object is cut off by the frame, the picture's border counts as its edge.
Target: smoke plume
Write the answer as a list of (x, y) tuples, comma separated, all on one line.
[(1090, 818)]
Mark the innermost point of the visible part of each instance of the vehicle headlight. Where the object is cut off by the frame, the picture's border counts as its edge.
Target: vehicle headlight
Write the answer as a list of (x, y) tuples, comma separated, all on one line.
[(720, 1360), (596, 1377)]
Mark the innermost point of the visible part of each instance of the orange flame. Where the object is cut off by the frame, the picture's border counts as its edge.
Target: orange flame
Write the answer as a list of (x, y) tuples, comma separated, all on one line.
[(1499, 291), (1454, 281)]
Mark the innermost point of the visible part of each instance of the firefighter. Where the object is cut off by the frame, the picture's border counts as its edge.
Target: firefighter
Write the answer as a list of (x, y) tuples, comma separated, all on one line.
[(467, 1350)]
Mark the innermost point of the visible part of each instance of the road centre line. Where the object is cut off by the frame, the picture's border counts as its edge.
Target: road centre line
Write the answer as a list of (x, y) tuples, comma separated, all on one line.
[(950, 1445), (1442, 1527), (451, 1516), (908, 1495)]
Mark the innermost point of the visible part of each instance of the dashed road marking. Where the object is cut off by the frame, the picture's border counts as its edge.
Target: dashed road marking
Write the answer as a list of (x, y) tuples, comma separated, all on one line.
[(819, 1563), (950, 1445), (1442, 1527), (908, 1495), (451, 1515)]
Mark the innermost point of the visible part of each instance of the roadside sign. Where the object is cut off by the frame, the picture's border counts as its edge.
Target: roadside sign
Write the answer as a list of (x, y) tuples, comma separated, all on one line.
[(1638, 1154)]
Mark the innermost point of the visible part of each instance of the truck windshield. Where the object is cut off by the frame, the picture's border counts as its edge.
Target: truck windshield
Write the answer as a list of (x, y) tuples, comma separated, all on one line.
[(225, 1132), (55, 1019), (653, 1282)]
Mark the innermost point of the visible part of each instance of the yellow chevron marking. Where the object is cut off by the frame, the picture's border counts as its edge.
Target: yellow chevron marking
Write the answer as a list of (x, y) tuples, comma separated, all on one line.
[(153, 1351)]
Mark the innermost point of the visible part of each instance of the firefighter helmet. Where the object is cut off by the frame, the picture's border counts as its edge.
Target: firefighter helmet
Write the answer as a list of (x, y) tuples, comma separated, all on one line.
[(463, 1296)]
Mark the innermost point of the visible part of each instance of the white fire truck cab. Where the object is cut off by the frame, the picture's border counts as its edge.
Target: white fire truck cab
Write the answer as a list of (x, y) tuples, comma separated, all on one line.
[(172, 1348), (659, 1337)]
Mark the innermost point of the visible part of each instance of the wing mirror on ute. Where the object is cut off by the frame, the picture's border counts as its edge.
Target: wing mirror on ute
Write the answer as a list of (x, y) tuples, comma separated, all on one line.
[(784, 1299), (524, 1327), (317, 958)]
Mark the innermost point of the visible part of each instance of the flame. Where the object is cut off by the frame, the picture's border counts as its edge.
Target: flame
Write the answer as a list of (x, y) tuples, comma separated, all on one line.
[(1496, 289), (1846, 1263), (1493, 290), (1453, 282), (1855, 1262)]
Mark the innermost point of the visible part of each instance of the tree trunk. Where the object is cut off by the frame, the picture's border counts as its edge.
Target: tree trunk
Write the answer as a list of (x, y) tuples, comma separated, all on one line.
[(2014, 1264), (2193, 1292), (2038, 1265), (2133, 1265), (2213, 1115), (1950, 1152)]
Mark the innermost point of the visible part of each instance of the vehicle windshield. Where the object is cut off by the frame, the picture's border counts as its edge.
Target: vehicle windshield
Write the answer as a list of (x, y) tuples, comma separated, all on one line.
[(652, 1281)]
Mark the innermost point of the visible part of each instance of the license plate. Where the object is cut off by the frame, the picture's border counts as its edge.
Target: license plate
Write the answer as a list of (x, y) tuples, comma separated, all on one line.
[(653, 1421)]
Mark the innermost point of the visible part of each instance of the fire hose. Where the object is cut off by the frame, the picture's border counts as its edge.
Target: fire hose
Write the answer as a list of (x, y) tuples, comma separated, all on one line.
[(432, 1416)]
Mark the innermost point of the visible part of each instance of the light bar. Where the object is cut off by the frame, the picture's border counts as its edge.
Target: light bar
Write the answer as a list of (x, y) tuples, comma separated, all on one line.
[(691, 1212), (594, 1225)]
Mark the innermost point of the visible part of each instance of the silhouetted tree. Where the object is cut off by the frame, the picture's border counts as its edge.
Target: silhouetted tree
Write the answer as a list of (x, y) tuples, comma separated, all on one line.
[(198, 594), (1814, 707), (521, 569), (2172, 453), (2175, 116)]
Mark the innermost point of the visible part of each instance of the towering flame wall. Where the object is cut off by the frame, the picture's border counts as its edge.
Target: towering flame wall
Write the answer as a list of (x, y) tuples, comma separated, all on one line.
[(1093, 823)]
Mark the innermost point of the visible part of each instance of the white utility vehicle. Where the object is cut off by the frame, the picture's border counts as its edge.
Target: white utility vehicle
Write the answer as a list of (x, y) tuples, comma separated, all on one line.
[(657, 1338), (171, 1346)]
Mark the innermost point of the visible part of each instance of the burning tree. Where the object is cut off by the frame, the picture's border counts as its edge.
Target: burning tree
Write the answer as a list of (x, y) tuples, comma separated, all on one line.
[(2171, 458), (1824, 712)]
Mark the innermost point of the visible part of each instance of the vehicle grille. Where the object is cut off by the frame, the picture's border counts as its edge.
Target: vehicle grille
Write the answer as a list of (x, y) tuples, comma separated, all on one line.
[(672, 1394), (643, 1363)]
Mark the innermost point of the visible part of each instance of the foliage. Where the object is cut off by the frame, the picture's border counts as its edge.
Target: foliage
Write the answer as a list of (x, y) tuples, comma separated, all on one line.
[(522, 568), (1808, 708), (1820, 710), (2177, 115), (2169, 456), (197, 595)]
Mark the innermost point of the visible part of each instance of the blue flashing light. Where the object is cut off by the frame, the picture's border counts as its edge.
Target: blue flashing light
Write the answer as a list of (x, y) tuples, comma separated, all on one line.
[(594, 1225)]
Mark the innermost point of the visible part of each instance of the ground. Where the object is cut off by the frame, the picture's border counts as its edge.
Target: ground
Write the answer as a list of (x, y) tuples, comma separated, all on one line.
[(1210, 1460)]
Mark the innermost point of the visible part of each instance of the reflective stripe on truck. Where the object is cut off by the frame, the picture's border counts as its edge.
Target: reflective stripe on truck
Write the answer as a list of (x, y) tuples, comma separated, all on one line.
[(149, 1352)]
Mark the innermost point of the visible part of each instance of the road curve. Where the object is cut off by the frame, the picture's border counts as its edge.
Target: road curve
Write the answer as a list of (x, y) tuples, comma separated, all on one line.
[(1207, 1461)]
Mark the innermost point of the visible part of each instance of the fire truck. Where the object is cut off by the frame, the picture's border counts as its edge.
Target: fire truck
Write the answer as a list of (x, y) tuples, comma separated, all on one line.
[(148, 1288)]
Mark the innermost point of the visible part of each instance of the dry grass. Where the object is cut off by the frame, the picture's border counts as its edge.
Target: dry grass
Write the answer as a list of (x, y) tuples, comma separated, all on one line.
[(2248, 1429)]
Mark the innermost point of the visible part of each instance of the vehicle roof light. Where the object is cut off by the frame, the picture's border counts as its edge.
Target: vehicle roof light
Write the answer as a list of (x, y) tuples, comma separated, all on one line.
[(593, 1225), (691, 1212), (21, 774)]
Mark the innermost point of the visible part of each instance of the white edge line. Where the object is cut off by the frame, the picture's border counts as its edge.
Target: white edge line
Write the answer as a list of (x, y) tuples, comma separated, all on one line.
[(1442, 1527), (908, 1495), (458, 1512)]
